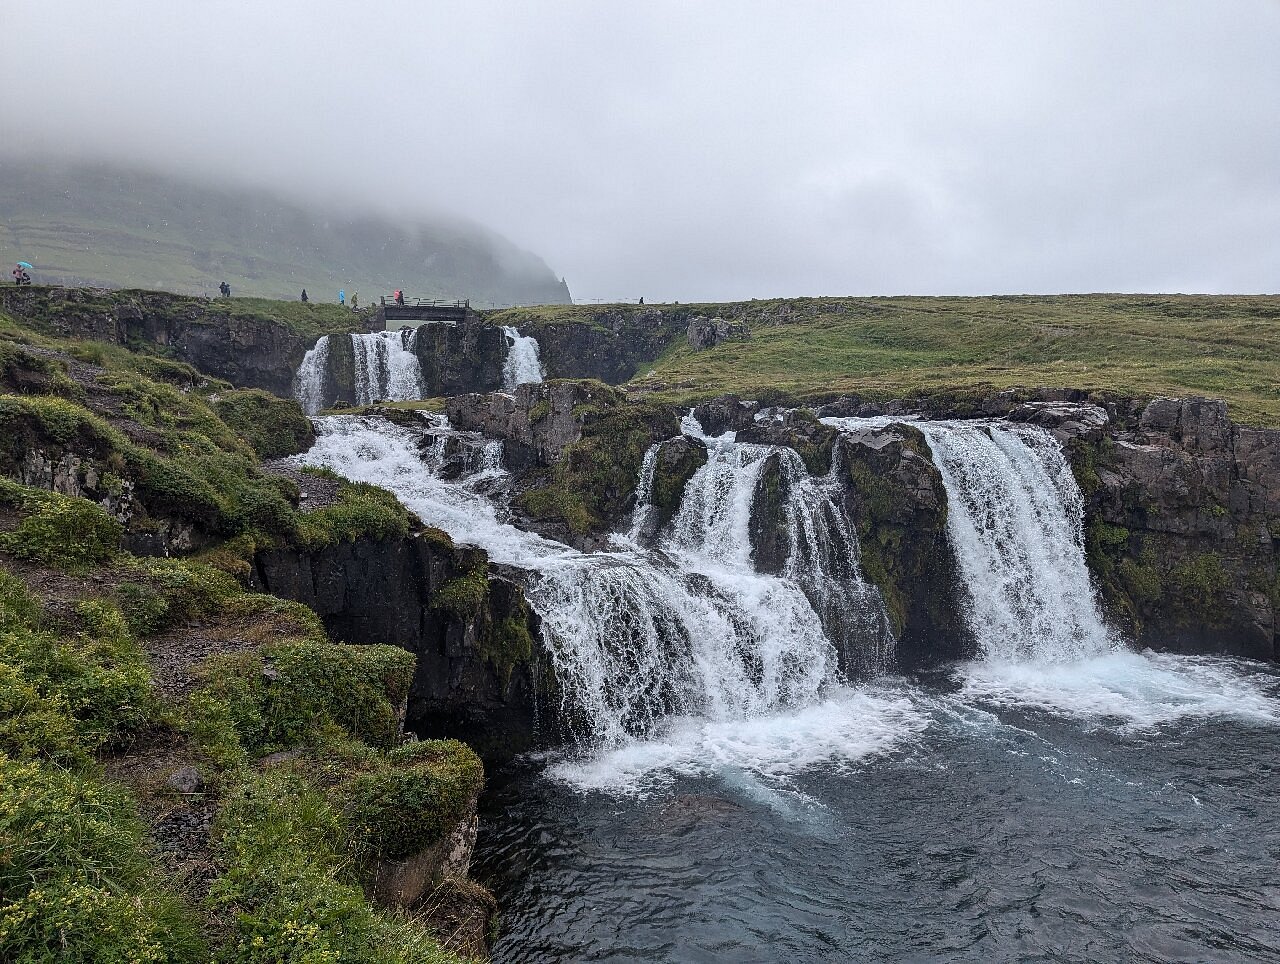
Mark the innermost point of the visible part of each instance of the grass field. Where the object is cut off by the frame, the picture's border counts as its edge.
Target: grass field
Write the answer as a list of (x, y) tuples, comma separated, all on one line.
[(1224, 347)]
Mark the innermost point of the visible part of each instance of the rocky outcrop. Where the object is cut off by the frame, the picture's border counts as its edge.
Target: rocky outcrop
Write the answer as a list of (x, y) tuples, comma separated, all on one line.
[(899, 506), (703, 332), (479, 672), (252, 352), (610, 344), (535, 422), (797, 429), (404, 882), (675, 463), (728, 413), (1183, 526)]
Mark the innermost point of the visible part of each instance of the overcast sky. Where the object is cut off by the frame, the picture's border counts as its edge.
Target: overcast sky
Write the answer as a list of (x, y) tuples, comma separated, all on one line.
[(713, 150)]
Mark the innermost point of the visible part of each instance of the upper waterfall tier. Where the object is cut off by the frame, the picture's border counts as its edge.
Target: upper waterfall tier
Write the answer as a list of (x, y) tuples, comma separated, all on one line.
[(524, 362)]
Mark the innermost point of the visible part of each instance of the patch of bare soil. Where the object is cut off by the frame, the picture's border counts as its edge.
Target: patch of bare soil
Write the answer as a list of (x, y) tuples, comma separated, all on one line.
[(176, 803)]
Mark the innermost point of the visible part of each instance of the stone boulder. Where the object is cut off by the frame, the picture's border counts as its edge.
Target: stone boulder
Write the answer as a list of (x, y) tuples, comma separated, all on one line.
[(704, 332), (728, 413)]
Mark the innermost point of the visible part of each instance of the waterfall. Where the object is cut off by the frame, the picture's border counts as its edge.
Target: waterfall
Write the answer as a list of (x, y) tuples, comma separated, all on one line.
[(523, 364), (386, 367), (823, 561), (308, 383), (640, 637), (1015, 519)]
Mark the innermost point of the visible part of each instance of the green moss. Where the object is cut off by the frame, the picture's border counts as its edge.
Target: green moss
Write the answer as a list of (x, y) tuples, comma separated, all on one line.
[(361, 510), (508, 644), (416, 799), (540, 410), (671, 476), (464, 595), (273, 426), (58, 529), (1198, 585), (879, 540)]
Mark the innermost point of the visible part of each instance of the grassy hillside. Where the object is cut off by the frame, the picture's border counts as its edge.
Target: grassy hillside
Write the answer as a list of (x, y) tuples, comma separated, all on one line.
[(1224, 347), (121, 228), (189, 770)]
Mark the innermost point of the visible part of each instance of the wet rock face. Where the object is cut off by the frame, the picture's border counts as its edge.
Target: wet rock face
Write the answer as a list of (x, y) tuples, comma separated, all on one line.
[(248, 352), (1183, 528), (770, 537), (479, 671), (728, 413), (899, 505), (536, 422), (676, 462)]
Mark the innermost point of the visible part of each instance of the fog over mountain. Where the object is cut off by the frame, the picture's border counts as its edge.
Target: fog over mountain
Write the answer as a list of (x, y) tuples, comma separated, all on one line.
[(711, 150)]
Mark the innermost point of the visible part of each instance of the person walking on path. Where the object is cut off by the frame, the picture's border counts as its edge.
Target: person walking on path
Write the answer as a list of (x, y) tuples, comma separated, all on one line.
[(225, 289), (355, 301), (399, 297), (304, 296), (342, 296)]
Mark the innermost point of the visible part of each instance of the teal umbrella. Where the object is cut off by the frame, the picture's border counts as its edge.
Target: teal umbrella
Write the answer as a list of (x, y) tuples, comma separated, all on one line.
[(23, 264)]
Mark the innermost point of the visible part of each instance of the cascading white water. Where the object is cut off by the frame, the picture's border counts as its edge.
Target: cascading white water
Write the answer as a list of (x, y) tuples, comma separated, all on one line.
[(1015, 518), (524, 361), (308, 383), (386, 366), (640, 637), (823, 559)]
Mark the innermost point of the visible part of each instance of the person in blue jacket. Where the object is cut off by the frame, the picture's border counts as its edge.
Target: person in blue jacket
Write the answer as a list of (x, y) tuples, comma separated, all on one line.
[(342, 297)]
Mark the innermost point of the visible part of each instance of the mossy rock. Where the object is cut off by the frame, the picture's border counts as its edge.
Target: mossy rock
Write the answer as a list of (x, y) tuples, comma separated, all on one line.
[(416, 798), (274, 427)]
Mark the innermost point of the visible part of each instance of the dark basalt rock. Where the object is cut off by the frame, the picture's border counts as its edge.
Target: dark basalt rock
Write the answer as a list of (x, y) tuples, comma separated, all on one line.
[(480, 674), (728, 413), (770, 536), (1183, 528), (610, 345), (899, 506), (676, 462)]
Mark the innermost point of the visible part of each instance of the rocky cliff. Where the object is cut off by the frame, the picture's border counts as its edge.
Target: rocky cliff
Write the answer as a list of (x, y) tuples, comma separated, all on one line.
[(479, 676), (248, 350)]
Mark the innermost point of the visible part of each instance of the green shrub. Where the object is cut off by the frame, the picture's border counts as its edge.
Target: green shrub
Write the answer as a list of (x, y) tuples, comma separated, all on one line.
[(293, 692), (273, 426), (75, 881), (289, 886), (57, 529), (17, 606), (416, 798), (361, 510), (61, 698)]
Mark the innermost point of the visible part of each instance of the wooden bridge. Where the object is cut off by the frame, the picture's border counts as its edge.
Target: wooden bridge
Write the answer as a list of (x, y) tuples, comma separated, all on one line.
[(418, 310)]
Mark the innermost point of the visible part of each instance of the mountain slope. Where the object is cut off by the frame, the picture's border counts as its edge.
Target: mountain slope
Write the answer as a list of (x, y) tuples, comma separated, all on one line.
[(127, 228)]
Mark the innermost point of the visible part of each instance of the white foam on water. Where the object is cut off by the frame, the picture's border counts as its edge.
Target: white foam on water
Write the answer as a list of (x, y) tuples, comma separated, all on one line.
[(1015, 519), (640, 637), (838, 732), (1131, 692), (524, 359)]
